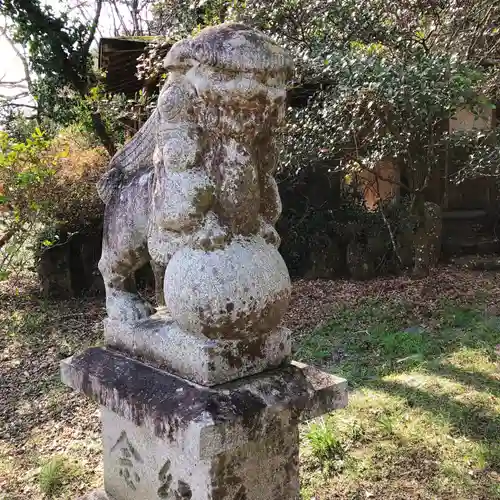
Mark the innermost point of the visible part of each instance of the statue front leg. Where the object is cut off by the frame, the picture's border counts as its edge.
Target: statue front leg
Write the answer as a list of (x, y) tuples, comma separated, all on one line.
[(159, 274), (125, 251), (211, 235), (118, 267), (269, 233)]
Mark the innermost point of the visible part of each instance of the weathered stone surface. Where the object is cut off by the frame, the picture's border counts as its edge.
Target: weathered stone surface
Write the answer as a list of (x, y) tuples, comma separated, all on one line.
[(194, 191), (236, 292), (163, 402), (195, 357), (191, 464), (167, 438), (96, 495)]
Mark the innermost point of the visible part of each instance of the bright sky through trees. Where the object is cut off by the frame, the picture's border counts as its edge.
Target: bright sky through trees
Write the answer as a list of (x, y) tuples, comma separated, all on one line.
[(11, 68)]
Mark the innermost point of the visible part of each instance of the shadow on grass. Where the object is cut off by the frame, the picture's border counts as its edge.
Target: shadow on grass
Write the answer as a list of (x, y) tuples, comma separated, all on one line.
[(473, 421), (477, 380), (364, 345), (440, 364), (35, 335)]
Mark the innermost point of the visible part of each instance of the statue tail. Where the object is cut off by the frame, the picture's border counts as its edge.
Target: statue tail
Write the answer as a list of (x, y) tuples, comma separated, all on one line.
[(135, 156), (109, 183)]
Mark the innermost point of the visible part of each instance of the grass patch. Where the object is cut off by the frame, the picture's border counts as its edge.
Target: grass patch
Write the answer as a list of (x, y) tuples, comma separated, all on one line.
[(57, 477), (328, 447), (425, 403), (52, 476)]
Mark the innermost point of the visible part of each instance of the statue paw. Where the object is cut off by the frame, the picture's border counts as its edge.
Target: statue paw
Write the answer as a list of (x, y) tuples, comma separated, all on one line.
[(270, 235), (210, 239), (128, 307)]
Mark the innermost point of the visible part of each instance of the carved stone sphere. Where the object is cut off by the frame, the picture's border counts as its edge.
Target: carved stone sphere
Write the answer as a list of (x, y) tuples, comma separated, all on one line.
[(239, 291)]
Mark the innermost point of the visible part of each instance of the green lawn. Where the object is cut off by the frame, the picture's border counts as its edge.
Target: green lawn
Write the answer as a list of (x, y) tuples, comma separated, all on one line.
[(423, 420)]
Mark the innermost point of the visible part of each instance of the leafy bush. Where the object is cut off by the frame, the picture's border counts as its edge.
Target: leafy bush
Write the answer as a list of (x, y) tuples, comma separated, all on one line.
[(75, 201), (25, 168), (46, 185), (476, 153), (375, 82)]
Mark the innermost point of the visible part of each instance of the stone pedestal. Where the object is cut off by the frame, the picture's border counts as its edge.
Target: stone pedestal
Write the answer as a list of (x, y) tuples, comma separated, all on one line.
[(168, 438), (160, 340)]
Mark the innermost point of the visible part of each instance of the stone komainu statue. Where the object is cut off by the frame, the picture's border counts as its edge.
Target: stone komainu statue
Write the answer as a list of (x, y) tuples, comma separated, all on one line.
[(199, 173)]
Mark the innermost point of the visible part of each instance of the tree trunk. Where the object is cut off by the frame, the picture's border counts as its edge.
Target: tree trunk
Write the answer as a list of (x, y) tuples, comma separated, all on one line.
[(102, 133)]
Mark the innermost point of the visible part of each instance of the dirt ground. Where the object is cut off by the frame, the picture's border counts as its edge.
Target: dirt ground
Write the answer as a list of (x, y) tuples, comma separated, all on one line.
[(49, 436)]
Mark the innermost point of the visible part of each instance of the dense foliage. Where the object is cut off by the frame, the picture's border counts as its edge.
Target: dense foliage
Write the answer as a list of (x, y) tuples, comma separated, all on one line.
[(376, 82), (383, 77), (24, 169), (46, 185)]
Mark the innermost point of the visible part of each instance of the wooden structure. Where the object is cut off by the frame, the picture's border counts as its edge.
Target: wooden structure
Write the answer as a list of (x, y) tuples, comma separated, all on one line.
[(118, 60)]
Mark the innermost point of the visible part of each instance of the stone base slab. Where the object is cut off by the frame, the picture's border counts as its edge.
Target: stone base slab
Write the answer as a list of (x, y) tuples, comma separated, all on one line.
[(157, 399), (167, 438), (160, 340)]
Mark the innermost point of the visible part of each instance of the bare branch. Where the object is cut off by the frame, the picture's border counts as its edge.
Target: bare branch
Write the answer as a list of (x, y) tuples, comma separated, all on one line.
[(391, 234), (93, 28), (19, 105), (120, 18), (491, 50), (134, 12), (5, 238), (81, 8), (380, 177), (115, 30), (479, 31), (15, 97), (22, 57), (13, 84)]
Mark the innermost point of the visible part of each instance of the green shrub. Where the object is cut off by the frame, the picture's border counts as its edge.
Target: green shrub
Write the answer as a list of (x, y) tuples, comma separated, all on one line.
[(52, 476), (46, 185)]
